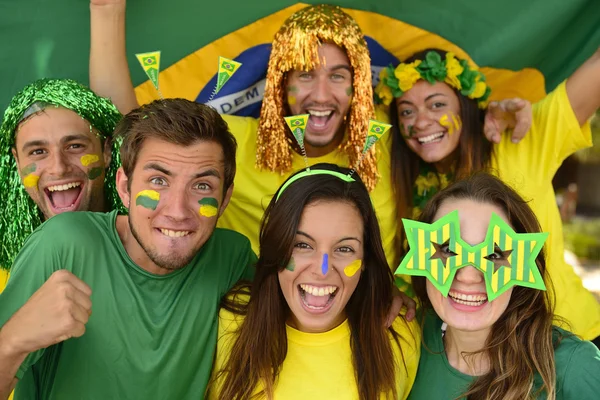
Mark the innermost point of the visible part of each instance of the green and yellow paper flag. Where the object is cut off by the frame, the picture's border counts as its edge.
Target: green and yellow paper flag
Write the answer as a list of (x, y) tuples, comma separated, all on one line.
[(150, 62), (297, 124), (227, 68), (374, 133)]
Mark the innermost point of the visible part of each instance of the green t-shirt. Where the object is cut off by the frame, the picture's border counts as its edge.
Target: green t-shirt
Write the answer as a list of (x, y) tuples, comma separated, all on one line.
[(577, 368), (149, 336)]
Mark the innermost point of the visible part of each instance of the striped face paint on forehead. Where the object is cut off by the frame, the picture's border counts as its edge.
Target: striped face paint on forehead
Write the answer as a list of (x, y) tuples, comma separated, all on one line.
[(30, 180), (505, 258), (451, 122), (209, 207), (148, 199)]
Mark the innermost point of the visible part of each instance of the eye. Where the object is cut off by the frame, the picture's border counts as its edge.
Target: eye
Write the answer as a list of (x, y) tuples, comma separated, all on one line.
[(305, 75), (338, 77), (437, 105), (405, 113), (158, 181), (498, 254), (203, 186), (37, 152), (345, 249), (302, 245), (75, 146)]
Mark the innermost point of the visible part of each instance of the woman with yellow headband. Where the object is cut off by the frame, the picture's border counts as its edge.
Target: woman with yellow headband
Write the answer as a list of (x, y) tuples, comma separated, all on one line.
[(436, 102), (312, 324)]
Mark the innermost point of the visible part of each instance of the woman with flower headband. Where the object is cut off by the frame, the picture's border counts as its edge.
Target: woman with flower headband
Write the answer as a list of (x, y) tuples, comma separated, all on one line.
[(438, 123), (314, 323), (480, 275)]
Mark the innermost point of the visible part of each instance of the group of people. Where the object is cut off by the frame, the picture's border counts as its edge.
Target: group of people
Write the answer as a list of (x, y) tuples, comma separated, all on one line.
[(222, 260)]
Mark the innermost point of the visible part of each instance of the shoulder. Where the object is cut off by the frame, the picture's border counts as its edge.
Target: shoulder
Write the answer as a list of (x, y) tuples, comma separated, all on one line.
[(577, 363), (571, 349), (243, 128), (230, 238), (74, 226)]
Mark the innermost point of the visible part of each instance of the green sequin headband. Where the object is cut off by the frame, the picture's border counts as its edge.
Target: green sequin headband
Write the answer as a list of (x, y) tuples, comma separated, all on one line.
[(393, 83), (309, 172), (19, 215)]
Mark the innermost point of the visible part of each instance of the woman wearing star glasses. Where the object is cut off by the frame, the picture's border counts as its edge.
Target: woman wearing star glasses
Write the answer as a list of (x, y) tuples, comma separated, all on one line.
[(488, 329)]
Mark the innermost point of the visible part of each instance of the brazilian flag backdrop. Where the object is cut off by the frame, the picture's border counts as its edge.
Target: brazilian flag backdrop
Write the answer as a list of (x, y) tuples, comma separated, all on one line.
[(526, 47)]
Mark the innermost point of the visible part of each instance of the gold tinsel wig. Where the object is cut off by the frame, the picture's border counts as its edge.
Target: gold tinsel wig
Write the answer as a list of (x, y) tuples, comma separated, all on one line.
[(295, 47)]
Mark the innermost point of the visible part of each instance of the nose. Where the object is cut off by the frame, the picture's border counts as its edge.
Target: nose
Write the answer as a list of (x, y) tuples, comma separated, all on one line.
[(176, 205), (58, 164), (469, 275), (424, 119), (321, 90)]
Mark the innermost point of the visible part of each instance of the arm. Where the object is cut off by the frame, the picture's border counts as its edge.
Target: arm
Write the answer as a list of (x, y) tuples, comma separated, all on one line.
[(583, 88), (512, 114), (109, 72), (57, 311)]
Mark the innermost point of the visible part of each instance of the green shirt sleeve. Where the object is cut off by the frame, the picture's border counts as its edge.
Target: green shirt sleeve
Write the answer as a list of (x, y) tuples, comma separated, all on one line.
[(34, 264), (581, 377)]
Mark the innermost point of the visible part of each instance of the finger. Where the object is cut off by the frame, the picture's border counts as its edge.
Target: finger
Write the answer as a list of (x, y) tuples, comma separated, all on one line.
[(82, 299), (410, 304), (514, 105), (410, 315), (522, 126), (80, 285), (79, 314)]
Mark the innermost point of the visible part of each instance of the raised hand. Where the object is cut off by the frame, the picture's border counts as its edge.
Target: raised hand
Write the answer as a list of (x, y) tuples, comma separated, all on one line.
[(512, 114), (57, 311)]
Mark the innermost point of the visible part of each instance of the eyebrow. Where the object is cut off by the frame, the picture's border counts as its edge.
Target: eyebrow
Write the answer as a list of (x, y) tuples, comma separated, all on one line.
[(426, 98), (65, 139), (341, 66), (160, 168), (339, 241)]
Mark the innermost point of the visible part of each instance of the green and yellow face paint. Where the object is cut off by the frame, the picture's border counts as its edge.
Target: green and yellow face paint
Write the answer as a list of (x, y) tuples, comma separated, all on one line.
[(291, 96), (452, 123), (30, 180), (352, 268), (505, 258), (209, 207), (291, 266), (148, 199), (89, 159)]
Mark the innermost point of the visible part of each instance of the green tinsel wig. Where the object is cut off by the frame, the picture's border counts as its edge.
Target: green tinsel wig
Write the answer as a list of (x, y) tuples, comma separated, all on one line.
[(19, 215)]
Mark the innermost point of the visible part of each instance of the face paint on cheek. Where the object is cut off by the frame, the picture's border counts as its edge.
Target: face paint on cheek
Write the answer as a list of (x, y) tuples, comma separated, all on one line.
[(147, 199), (291, 97), (349, 91), (452, 123), (29, 179), (209, 207), (89, 159), (407, 132), (95, 172), (291, 265), (352, 268), (325, 264)]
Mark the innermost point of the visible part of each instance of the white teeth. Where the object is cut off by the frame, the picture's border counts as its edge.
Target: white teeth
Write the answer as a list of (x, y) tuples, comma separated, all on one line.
[(320, 113), (170, 233), (468, 299), (430, 138), (58, 188), (318, 291)]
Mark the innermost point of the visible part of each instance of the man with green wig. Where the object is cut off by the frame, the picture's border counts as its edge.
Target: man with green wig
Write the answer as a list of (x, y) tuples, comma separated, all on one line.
[(55, 153)]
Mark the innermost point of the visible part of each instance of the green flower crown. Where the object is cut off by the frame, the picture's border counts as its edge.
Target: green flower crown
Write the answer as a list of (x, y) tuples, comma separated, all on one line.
[(393, 83)]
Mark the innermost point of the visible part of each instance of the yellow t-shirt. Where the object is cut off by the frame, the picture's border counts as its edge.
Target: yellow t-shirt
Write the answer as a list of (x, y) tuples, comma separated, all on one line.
[(319, 365), (529, 168), (254, 188), (3, 279)]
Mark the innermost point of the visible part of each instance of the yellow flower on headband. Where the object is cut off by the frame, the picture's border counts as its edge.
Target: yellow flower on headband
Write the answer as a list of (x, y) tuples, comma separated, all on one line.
[(384, 91), (407, 75), (424, 183), (479, 88), (454, 70)]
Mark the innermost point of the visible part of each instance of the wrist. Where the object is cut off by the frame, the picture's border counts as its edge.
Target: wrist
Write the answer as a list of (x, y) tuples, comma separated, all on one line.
[(112, 9), (10, 348)]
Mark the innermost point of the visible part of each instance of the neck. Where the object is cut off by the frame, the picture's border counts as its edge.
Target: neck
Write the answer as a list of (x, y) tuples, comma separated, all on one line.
[(457, 343), (446, 165), (134, 250), (323, 150)]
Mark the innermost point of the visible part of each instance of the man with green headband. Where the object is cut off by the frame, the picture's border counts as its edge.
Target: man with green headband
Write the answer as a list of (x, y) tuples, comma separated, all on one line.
[(55, 153)]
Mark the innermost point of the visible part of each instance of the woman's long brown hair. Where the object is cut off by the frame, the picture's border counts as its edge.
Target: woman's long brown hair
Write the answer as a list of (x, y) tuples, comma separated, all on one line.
[(473, 154), (520, 343), (261, 345)]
